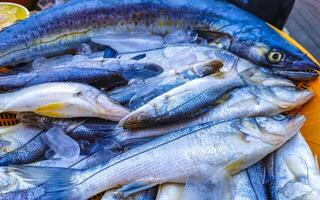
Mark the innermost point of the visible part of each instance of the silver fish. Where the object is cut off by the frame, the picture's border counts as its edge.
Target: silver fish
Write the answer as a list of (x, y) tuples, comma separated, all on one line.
[(13, 137), (65, 100), (172, 80), (244, 102), (186, 100), (294, 171), (231, 146)]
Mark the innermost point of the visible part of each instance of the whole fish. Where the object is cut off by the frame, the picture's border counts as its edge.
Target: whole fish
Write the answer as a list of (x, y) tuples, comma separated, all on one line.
[(245, 102), (142, 22), (250, 184), (65, 100), (231, 146), (13, 137), (102, 74), (190, 99), (176, 60), (294, 171)]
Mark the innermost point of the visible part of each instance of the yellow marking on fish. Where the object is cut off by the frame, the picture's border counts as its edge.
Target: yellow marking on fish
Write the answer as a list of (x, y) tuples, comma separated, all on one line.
[(295, 43), (50, 109), (234, 167)]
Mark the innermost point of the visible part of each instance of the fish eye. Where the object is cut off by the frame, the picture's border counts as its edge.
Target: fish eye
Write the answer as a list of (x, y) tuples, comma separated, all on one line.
[(275, 56), (279, 117)]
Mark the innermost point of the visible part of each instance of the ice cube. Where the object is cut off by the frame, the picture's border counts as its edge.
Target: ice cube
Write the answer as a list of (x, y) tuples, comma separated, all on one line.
[(64, 146)]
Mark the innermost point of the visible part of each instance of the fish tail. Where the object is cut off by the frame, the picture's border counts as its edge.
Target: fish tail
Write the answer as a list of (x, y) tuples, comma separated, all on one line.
[(50, 183)]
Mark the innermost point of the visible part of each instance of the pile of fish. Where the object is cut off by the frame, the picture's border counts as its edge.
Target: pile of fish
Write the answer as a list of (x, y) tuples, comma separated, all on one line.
[(136, 98)]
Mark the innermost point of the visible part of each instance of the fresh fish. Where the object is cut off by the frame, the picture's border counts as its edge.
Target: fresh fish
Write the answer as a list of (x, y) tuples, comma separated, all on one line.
[(172, 80), (190, 99), (32, 151), (294, 171), (232, 146), (102, 74), (250, 184), (13, 137), (244, 102), (170, 191), (174, 59), (67, 26), (63, 100)]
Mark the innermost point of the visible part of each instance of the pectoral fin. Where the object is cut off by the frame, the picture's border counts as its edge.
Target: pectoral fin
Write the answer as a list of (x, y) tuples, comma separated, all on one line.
[(51, 109), (235, 166), (132, 188), (129, 42)]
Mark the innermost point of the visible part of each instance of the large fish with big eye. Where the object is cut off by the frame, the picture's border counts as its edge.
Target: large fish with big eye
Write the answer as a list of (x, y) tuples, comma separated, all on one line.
[(152, 23)]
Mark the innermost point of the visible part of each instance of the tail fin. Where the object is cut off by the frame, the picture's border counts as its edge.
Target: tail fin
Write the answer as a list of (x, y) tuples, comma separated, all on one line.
[(54, 183)]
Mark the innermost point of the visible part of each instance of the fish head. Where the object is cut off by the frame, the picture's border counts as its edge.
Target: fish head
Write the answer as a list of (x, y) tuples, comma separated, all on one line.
[(139, 118), (272, 130), (284, 97), (141, 70), (278, 57)]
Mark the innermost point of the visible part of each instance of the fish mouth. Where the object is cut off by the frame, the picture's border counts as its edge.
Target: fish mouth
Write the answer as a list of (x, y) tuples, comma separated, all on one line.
[(297, 75)]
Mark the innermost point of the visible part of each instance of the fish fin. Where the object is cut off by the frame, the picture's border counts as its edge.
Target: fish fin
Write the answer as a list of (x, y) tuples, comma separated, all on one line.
[(215, 38), (133, 188), (209, 183), (235, 166), (61, 184), (110, 52), (295, 169), (139, 57), (50, 109), (129, 42)]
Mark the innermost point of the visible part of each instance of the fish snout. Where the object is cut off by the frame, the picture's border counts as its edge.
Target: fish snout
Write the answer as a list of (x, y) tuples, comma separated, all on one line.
[(304, 65), (111, 110), (137, 119)]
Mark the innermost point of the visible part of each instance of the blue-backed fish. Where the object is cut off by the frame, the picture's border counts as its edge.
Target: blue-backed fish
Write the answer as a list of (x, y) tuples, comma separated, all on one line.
[(67, 26)]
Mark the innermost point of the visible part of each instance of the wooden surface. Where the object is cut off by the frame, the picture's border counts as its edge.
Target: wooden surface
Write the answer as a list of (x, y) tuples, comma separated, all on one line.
[(304, 25)]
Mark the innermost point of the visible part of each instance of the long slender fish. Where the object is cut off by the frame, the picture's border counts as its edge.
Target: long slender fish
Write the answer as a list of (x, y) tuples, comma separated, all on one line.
[(231, 146), (174, 59), (244, 102), (190, 99), (294, 171), (69, 25), (102, 74), (64, 100), (13, 137)]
